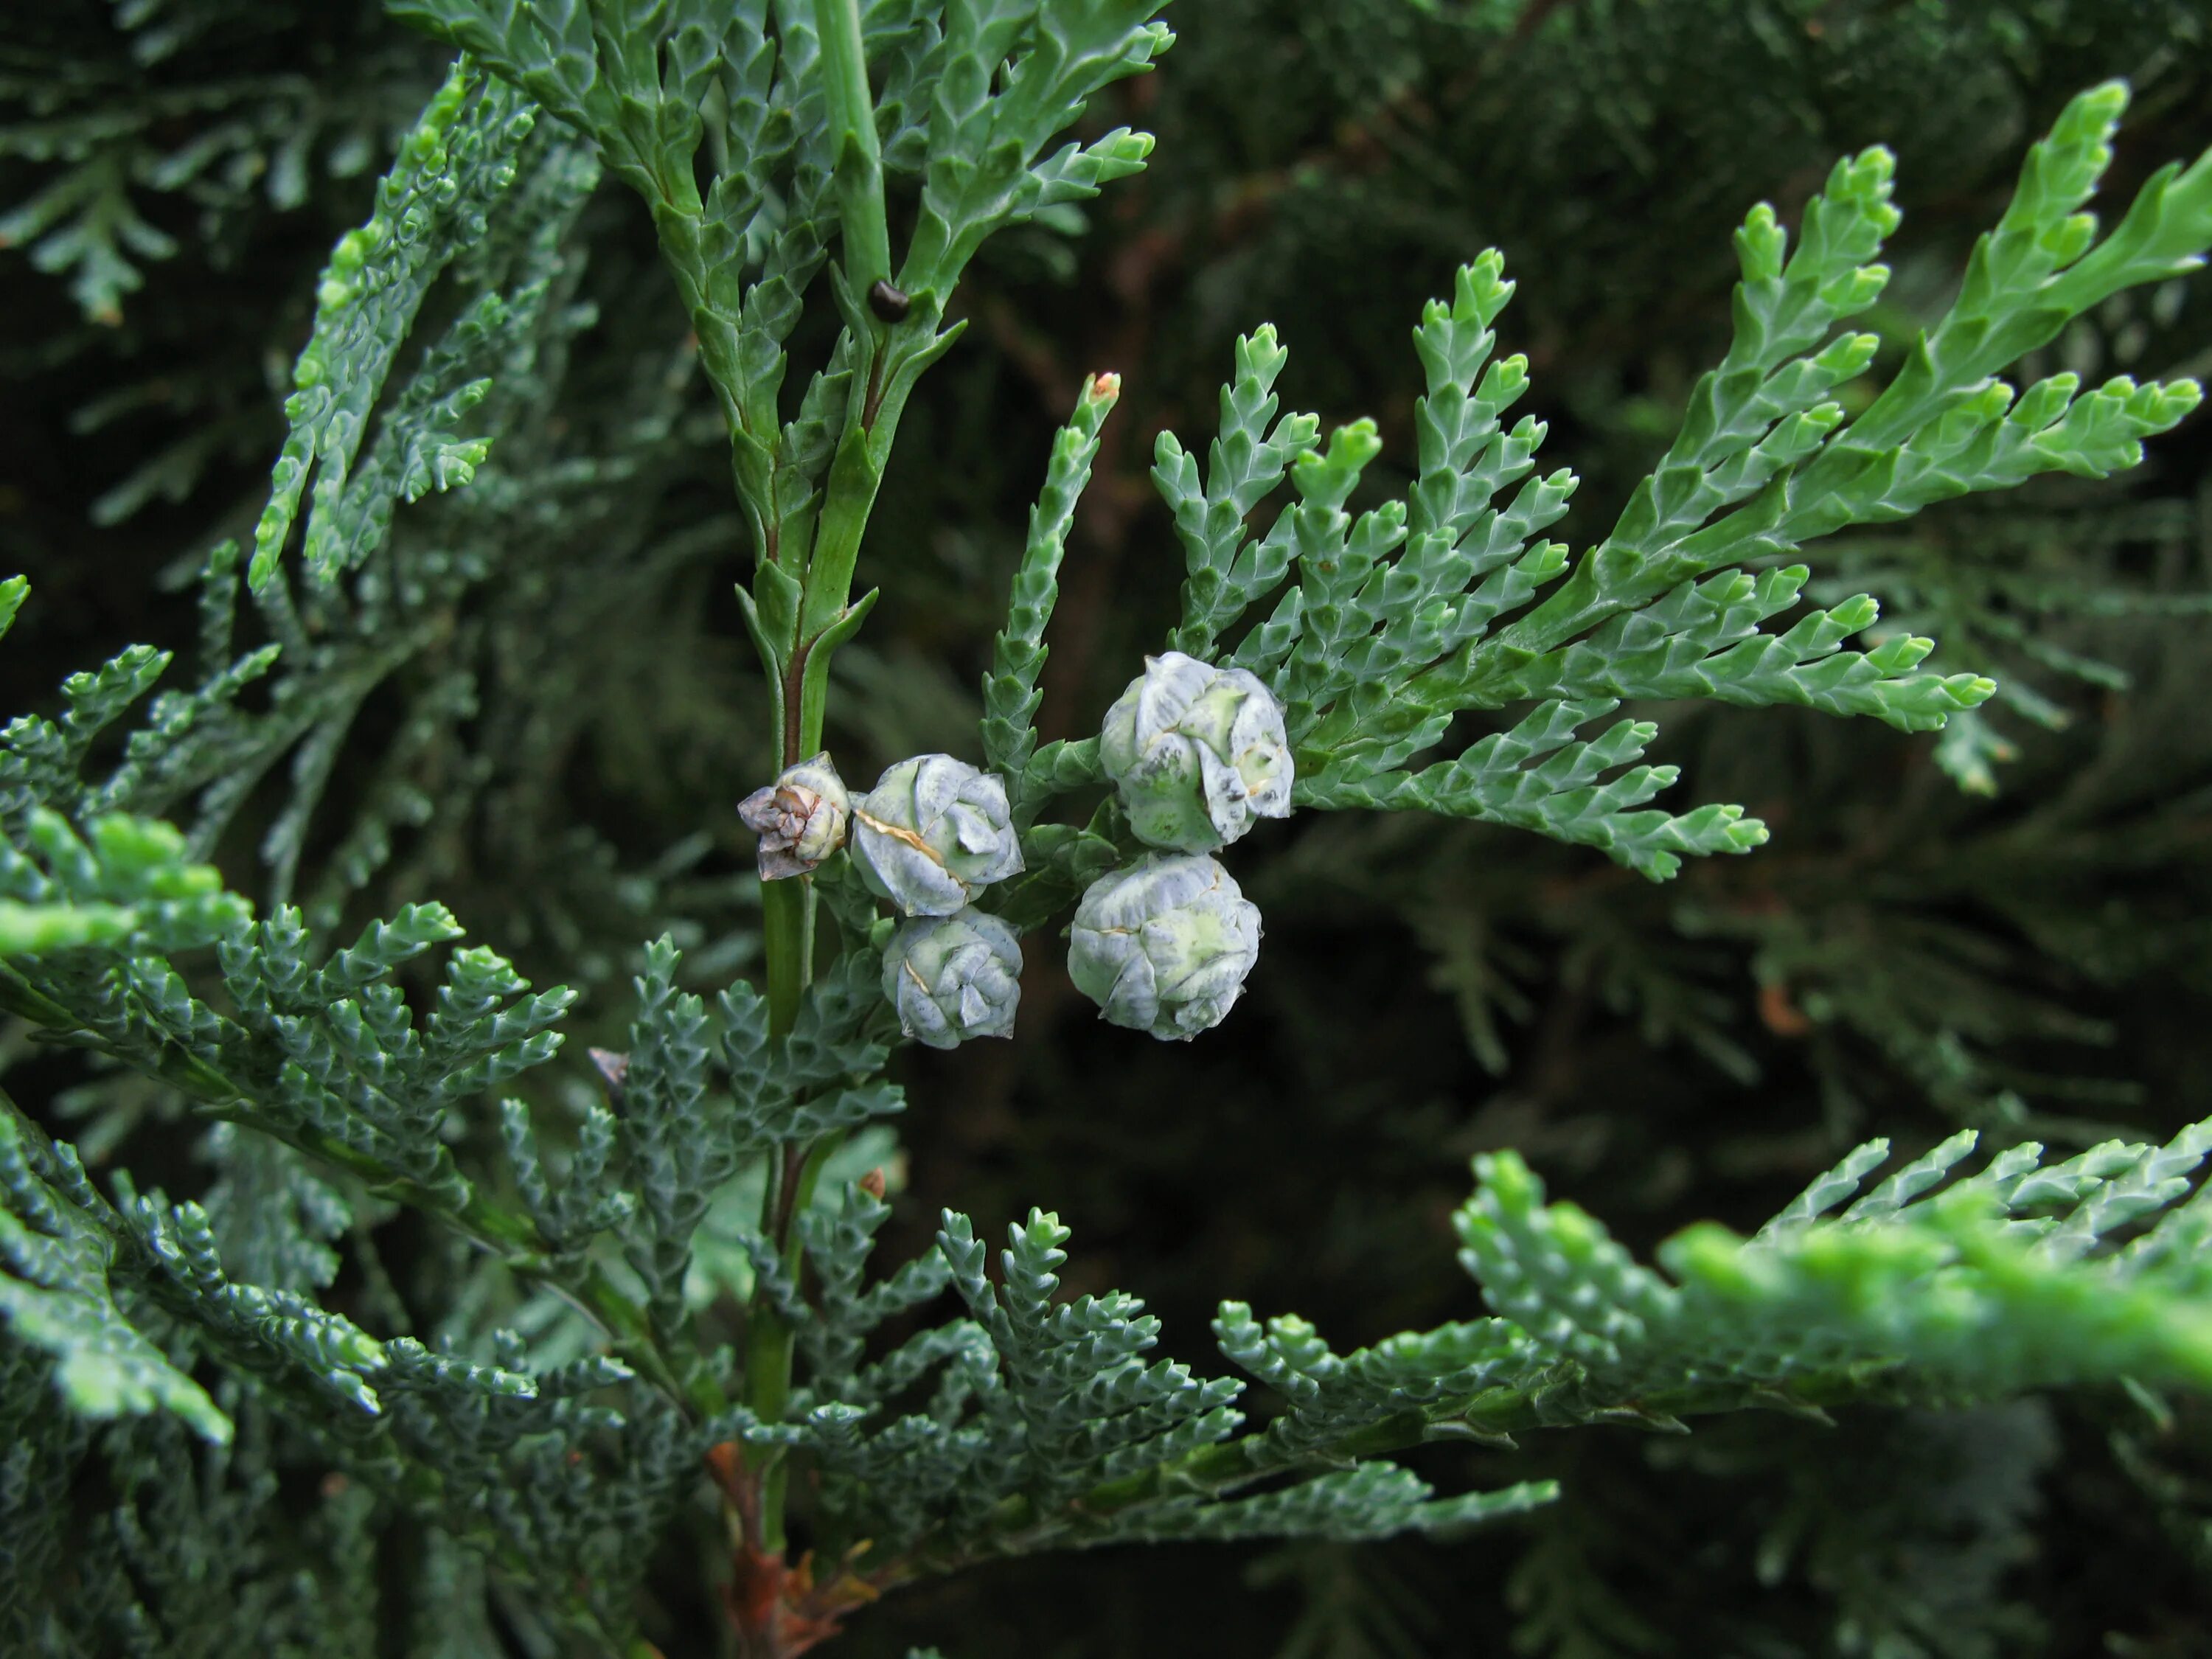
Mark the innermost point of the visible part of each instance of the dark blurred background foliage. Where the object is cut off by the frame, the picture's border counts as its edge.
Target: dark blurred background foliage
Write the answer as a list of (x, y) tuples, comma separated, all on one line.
[(2009, 928)]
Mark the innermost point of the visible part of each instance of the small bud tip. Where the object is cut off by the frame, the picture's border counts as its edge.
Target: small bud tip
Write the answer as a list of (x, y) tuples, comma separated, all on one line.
[(613, 1066), (890, 304)]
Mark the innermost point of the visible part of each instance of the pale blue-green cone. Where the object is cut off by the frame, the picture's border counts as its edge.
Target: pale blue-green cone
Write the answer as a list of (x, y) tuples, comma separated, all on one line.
[(800, 818), (932, 832), (1163, 946), (1197, 753), (954, 977)]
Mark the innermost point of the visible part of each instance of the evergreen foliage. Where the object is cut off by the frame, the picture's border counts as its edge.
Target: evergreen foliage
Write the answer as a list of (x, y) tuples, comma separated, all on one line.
[(477, 1338)]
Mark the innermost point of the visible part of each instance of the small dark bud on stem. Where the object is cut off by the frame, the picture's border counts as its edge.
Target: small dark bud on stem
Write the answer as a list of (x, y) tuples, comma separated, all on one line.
[(614, 1067), (890, 304)]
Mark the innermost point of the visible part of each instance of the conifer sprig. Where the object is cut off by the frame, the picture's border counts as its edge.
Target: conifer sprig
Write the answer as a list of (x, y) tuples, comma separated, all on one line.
[(1395, 621), (681, 1234)]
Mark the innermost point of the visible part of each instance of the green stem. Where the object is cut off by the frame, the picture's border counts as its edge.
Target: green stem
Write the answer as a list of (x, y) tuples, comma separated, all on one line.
[(802, 1193), (787, 941), (768, 1392), (851, 497), (859, 152), (769, 1345), (824, 617), (787, 929), (798, 631)]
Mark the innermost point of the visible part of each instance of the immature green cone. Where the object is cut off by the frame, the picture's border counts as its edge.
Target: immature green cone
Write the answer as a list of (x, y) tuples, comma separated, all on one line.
[(932, 832), (1163, 946), (954, 977), (1197, 753), (800, 819)]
